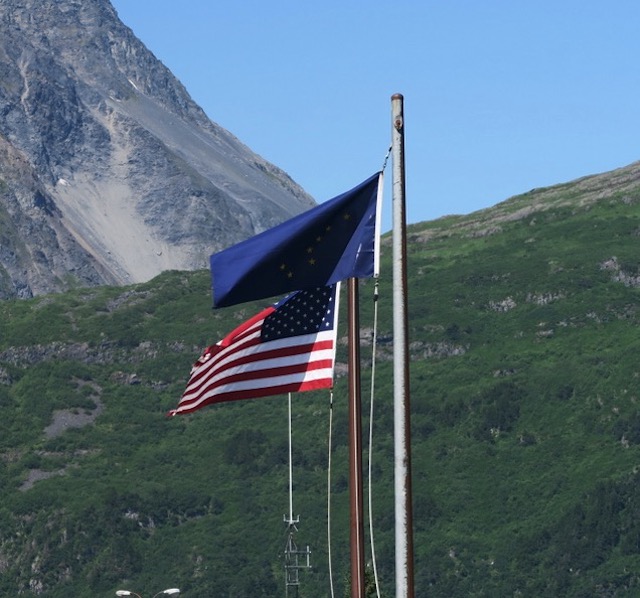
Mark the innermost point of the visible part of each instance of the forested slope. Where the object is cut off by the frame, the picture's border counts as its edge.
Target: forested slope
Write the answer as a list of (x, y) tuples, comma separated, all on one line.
[(525, 423)]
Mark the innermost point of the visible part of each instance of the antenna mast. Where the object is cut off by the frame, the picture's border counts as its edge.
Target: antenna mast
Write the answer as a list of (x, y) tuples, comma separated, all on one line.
[(294, 558)]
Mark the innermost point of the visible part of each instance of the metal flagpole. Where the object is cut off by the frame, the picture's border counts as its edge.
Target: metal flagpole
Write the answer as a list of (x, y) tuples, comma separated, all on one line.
[(355, 444), (401, 397)]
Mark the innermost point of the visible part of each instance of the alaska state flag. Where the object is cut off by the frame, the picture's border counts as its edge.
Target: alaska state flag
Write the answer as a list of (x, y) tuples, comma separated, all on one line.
[(334, 241)]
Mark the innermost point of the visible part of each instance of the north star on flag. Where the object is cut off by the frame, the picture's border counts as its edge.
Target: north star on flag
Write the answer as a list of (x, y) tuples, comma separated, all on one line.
[(334, 241), (287, 347)]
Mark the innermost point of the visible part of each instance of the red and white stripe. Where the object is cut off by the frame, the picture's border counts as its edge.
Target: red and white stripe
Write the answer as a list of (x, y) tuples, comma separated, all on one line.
[(242, 367)]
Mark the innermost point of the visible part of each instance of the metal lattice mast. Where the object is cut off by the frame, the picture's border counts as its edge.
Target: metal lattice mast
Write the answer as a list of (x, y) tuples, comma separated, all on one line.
[(294, 558)]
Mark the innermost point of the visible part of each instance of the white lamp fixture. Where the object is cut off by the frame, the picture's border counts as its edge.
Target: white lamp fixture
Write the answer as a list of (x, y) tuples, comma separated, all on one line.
[(170, 591)]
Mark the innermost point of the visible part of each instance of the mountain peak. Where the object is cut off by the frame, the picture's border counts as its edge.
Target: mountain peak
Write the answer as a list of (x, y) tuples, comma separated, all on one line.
[(111, 173)]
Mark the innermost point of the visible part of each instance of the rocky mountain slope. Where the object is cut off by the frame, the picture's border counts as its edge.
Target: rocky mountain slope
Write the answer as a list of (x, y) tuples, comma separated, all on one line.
[(109, 172)]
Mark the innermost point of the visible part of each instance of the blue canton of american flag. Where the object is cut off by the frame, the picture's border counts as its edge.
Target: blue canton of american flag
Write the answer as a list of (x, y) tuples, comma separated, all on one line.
[(300, 313), (288, 347)]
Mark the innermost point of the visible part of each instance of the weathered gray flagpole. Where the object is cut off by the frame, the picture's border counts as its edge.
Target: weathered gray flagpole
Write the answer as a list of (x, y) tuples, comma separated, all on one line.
[(401, 397)]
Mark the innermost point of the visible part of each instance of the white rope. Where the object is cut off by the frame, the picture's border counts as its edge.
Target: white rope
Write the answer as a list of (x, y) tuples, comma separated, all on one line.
[(373, 359), (329, 494), (374, 343), (373, 377), (370, 492), (290, 468)]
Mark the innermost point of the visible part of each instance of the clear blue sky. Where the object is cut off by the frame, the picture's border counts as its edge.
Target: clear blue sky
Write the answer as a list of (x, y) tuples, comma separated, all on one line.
[(500, 95)]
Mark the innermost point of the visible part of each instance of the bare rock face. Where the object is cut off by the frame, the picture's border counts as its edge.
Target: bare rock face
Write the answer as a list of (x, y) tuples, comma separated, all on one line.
[(109, 172)]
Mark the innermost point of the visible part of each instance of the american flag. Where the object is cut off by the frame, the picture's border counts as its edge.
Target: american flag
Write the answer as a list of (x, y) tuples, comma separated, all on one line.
[(288, 347)]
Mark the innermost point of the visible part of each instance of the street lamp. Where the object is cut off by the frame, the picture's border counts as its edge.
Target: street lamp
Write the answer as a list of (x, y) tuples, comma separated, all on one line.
[(170, 591)]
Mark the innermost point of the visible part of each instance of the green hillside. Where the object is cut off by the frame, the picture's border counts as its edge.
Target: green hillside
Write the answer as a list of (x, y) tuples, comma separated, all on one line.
[(526, 424)]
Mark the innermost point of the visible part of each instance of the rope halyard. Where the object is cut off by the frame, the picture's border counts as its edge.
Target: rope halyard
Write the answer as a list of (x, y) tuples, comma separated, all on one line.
[(386, 159), (329, 495), (374, 340)]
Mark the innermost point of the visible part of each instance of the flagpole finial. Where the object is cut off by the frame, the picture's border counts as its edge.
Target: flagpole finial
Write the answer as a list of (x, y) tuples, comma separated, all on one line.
[(397, 101)]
